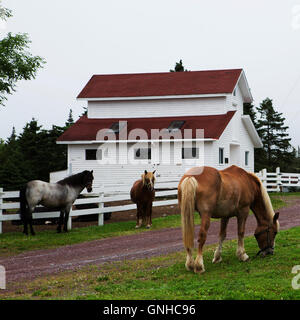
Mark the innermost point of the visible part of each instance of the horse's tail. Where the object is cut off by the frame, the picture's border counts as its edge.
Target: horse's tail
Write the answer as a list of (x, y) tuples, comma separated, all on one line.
[(23, 203), (188, 189)]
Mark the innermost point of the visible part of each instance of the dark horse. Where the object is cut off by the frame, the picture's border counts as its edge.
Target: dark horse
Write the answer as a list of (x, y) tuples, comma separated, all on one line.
[(224, 194), (142, 193), (60, 195)]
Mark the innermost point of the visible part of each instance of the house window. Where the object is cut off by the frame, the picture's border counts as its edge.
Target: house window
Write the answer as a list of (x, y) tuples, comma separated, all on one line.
[(221, 155), (142, 153), (176, 125), (190, 153), (116, 127), (246, 158), (91, 154)]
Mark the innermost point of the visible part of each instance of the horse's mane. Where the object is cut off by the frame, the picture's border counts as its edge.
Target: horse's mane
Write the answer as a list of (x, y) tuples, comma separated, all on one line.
[(74, 180), (265, 195)]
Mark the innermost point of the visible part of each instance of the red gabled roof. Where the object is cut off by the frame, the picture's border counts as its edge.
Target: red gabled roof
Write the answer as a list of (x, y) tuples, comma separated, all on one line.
[(86, 129), (161, 84)]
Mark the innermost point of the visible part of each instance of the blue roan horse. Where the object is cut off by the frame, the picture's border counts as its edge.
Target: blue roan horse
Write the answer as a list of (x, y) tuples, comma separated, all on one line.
[(60, 195)]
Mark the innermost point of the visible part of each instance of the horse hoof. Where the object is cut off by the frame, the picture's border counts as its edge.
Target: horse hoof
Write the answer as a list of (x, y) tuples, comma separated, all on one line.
[(217, 260), (148, 226), (199, 269), (137, 226), (189, 267)]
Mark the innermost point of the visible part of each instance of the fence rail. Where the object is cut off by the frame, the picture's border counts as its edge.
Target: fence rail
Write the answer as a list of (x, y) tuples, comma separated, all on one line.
[(105, 198)]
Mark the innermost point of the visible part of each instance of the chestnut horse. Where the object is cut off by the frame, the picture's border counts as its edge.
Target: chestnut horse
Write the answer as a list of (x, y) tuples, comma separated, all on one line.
[(142, 193), (224, 194)]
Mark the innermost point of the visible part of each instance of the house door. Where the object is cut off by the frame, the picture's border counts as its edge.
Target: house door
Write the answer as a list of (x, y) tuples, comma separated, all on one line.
[(235, 154)]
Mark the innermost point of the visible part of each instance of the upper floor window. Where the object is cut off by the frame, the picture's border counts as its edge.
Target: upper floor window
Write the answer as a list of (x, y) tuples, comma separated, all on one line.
[(190, 153), (92, 154), (176, 125), (246, 158), (142, 153), (221, 155)]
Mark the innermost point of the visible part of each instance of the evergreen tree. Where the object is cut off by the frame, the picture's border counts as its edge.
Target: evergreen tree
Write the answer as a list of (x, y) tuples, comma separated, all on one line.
[(277, 150), (178, 67), (249, 109), (70, 120)]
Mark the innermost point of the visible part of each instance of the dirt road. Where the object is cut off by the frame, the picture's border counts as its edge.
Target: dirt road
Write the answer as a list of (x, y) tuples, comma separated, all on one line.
[(30, 265)]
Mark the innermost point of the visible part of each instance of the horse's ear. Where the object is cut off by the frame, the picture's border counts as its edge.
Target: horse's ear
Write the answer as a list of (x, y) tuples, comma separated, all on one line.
[(92, 171), (146, 172), (276, 216), (154, 171)]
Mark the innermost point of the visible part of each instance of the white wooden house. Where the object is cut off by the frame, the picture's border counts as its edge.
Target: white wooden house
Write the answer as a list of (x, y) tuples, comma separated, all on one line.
[(171, 103)]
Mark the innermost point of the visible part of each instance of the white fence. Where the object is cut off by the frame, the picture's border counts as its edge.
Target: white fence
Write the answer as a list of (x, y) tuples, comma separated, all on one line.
[(277, 181), (103, 198)]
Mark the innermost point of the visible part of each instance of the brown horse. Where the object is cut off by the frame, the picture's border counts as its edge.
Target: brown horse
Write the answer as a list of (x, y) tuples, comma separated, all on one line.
[(224, 194), (142, 193)]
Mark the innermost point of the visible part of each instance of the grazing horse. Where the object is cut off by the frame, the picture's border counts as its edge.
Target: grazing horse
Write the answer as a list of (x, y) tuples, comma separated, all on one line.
[(142, 193), (224, 194), (60, 195)]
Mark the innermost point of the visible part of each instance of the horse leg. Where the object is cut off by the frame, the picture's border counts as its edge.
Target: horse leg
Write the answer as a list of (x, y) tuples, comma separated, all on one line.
[(66, 218), (25, 230), (138, 215), (30, 221), (205, 222), (148, 215), (189, 263), (222, 235), (60, 221), (241, 221)]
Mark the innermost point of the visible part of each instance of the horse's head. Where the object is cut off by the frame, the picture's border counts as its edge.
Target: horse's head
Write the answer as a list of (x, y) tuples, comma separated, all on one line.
[(149, 179), (265, 237), (88, 180)]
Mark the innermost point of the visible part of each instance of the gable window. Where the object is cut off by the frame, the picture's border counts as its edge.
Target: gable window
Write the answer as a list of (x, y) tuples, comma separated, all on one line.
[(176, 125), (221, 155), (142, 153), (190, 153), (246, 158), (91, 154)]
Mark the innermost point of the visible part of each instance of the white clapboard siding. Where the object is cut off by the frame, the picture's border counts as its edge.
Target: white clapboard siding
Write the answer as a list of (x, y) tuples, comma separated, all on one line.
[(156, 108)]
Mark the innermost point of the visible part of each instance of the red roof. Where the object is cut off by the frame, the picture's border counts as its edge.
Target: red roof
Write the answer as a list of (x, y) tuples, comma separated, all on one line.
[(161, 84), (86, 129)]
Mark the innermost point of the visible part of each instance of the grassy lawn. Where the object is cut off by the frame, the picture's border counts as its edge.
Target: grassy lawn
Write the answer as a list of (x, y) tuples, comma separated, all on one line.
[(165, 277), (16, 242)]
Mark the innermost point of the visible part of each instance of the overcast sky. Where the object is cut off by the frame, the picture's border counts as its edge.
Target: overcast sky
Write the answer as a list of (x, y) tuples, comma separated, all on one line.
[(82, 38)]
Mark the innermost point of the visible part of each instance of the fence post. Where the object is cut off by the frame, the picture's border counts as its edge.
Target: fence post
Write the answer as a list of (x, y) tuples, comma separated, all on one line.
[(1, 212), (278, 180), (101, 214), (264, 177)]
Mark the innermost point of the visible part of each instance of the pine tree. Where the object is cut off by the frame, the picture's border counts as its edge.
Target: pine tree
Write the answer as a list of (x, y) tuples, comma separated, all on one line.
[(249, 109), (277, 150), (178, 67), (70, 120)]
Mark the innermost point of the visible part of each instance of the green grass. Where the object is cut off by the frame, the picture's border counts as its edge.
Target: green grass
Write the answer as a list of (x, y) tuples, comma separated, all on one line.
[(16, 242), (165, 277)]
